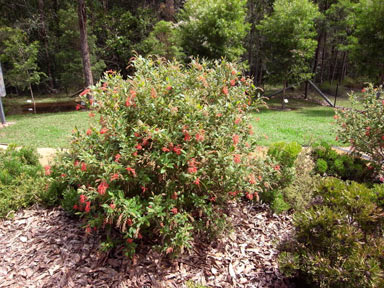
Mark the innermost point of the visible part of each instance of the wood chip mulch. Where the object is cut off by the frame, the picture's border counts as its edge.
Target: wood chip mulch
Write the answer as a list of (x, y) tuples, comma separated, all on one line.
[(46, 248)]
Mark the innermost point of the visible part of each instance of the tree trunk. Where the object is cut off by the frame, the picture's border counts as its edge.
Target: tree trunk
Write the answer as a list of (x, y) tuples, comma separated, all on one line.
[(343, 67), (33, 98), (169, 10), (44, 34), (84, 44), (334, 67), (317, 53), (323, 57), (283, 97)]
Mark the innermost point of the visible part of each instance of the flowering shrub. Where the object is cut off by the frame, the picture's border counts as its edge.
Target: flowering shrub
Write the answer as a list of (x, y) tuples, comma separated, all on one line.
[(172, 146), (363, 128)]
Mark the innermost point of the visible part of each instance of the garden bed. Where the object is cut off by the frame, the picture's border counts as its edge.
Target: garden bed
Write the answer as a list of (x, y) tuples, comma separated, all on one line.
[(46, 248)]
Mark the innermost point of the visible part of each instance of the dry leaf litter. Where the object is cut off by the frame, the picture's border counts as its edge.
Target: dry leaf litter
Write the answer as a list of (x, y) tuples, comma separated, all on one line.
[(47, 248)]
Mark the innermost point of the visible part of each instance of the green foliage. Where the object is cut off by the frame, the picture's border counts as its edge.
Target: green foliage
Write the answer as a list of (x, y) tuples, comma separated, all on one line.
[(363, 125), (299, 194), (68, 58), (213, 28), (285, 153), (163, 41), (289, 40), (22, 57), (367, 49), (338, 241), (170, 151), (347, 167), (21, 181)]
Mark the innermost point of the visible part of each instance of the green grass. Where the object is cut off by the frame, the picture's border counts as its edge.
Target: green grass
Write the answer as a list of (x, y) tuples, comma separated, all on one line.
[(43, 130), (305, 123)]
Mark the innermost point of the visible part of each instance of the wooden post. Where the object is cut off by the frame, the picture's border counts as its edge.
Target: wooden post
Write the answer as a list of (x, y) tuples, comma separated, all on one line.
[(306, 90)]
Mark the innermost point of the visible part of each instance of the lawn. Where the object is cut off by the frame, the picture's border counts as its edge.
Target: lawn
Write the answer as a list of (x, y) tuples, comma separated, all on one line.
[(303, 122), (43, 130)]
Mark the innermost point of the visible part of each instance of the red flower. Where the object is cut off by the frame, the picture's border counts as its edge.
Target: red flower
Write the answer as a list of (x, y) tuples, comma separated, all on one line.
[(277, 168), (382, 137), (85, 92), (131, 170), (235, 139), (187, 137), (336, 117), (133, 93), (192, 168), (233, 72), (169, 88), (174, 196), (75, 207), (237, 158), (219, 115), (103, 130), (91, 115), (199, 137), (63, 175), (242, 79), (114, 176), (129, 240), (83, 166), (174, 210), (177, 150), (76, 163), (88, 230), (47, 170), (112, 205), (89, 131), (197, 181), (165, 149), (87, 207), (233, 82), (153, 93), (110, 71), (134, 154), (225, 90), (102, 188), (78, 107), (117, 157), (249, 196), (139, 147), (129, 222), (252, 179), (143, 188), (83, 198), (139, 236), (363, 90)]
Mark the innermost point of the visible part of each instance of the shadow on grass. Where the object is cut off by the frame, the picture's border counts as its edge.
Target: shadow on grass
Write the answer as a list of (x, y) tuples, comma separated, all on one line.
[(318, 113)]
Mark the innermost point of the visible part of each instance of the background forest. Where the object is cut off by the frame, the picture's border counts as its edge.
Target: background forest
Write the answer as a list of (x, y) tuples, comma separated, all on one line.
[(61, 46)]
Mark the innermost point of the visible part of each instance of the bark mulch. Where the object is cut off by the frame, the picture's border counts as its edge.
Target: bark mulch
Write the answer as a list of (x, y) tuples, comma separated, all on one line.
[(46, 248)]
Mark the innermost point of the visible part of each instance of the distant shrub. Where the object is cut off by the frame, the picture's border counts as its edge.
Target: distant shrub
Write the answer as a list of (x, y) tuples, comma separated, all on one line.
[(172, 148), (362, 127), (21, 179), (285, 153), (338, 242)]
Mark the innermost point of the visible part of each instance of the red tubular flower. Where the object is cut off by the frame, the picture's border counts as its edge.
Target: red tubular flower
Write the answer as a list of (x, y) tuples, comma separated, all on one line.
[(242, 79), (117, 157), (133, 93), (174, 210), (91, 115), (225, 90), (153, 93), (75, 207), (233, 82), (199, 137), (169, 88), (197, 181), (83, 166), (252, 179), (139, 147), (114, 176), (192, 168), (103, 130), (83, 198), (235, 139), (78, 107), (249, 196), (177, 150), (47, 170), (89, 131), (277, 168), (88, 230), (102, 188), (174, 196), (131, 170), (143, 188), (76, 163), (129, 240), (63, 175), (165, 149), (87, 207), (112, 205), (129, 222), (85, 92), (187, 137), (237, 158), (237, 121)]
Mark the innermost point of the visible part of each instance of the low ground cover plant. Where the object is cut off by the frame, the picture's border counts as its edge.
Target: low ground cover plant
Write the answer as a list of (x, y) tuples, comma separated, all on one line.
[(171, 148), (21, 179), (363, 126), (338, 241), (347, 167)]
